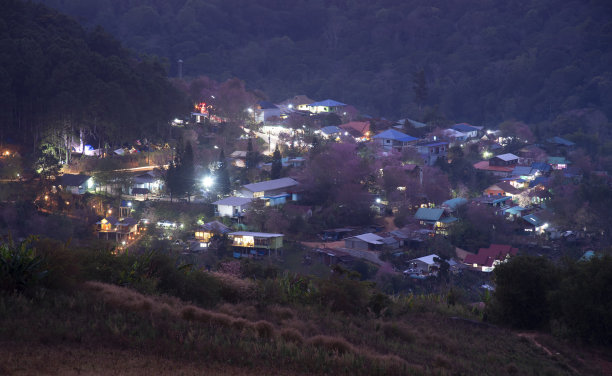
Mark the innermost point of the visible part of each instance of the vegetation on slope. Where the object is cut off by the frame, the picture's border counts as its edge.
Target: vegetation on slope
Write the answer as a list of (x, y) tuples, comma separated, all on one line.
[(282, 324), (56, 79), (483, 61)]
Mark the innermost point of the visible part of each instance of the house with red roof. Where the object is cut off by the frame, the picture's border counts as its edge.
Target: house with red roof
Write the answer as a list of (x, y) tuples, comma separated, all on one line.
[(360, 130), (488, 258)]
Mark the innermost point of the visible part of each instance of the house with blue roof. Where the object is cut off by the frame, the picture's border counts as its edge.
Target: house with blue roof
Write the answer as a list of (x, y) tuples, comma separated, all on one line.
[(534, 224), (454, 204), (542, 167), (328, 105), (527, 173), (331, 131), (560, 141), (435, 218), (392, 139), (469, 130)]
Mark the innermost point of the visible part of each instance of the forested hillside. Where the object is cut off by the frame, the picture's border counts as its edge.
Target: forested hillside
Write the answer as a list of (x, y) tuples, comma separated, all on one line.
[(484, 61), (56, 79)]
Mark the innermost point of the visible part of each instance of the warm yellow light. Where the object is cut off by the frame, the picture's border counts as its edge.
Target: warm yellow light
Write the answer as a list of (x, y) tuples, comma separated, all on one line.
[(67, 202), (46, 198)]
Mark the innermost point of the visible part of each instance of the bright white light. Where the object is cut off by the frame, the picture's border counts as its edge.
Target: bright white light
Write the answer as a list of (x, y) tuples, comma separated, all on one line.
[(208, 182), (290, 106), (123, 242), (378, 200), (216, 147), (250, 110)]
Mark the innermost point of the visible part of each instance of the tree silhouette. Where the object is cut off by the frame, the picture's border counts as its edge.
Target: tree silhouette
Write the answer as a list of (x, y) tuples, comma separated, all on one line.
[(223, 177), (419, 85), (277, 164)]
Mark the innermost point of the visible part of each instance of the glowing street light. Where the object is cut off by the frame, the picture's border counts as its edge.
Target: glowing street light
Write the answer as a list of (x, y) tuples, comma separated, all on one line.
[(208, 182), (250, 110)]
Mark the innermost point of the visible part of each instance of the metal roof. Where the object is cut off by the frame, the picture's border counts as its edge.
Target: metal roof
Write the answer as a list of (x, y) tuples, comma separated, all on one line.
[(392, 134), (429, 259), (464, 127), (507, 157), (327, 103), (331, 129), (255, 234), (533, 220), (429, 214), (233, 201), (454, 203), (523, 171), (271, 185), (369, 238)]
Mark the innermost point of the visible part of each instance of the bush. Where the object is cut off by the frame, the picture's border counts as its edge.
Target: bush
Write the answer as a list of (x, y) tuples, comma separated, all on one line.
[(521, 294), (343, 295), (20, 267)]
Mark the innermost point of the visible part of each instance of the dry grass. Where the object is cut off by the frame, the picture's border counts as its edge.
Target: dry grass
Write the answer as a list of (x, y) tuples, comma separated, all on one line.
[(398, 331), (83, 361), (309, 339), (264, 329), (336, 345), (292, 335)]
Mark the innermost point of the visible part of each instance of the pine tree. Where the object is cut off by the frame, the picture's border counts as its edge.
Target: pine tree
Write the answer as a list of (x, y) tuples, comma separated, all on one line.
[(223, 175), (251, 157), (277, 164), (420, 88), (172, 180), (187, 171)]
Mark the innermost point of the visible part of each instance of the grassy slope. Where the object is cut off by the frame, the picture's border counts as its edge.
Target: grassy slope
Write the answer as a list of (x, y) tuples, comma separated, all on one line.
[(105, 329)]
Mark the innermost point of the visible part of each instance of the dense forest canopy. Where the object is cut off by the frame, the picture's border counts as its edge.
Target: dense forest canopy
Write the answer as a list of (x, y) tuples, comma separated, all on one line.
[(485, 61), (58, 80)]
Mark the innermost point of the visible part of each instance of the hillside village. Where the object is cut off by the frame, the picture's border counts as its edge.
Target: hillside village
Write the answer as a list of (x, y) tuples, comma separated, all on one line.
[(321, 184)]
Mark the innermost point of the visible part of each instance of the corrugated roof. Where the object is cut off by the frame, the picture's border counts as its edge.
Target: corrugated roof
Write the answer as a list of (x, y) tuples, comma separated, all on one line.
[(215, 226), (327, 103), (523, 171), (271, 185), (507, 157), (331, 129), (233, 201), (557, 160), (464, 127), (369, 238), (392, 134), (429, 259), (255, 234), (541, 166), (454, 203), (532, 219), (429, 214)]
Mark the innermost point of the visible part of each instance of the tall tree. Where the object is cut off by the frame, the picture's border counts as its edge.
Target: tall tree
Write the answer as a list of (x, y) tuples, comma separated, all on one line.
[(223, 177), (188, 171), (251, 156), (277, 164), (419, 85)]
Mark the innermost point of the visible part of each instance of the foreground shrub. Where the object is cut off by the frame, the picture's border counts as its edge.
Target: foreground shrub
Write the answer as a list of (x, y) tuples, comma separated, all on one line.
[(20, 267), (333, 344)]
